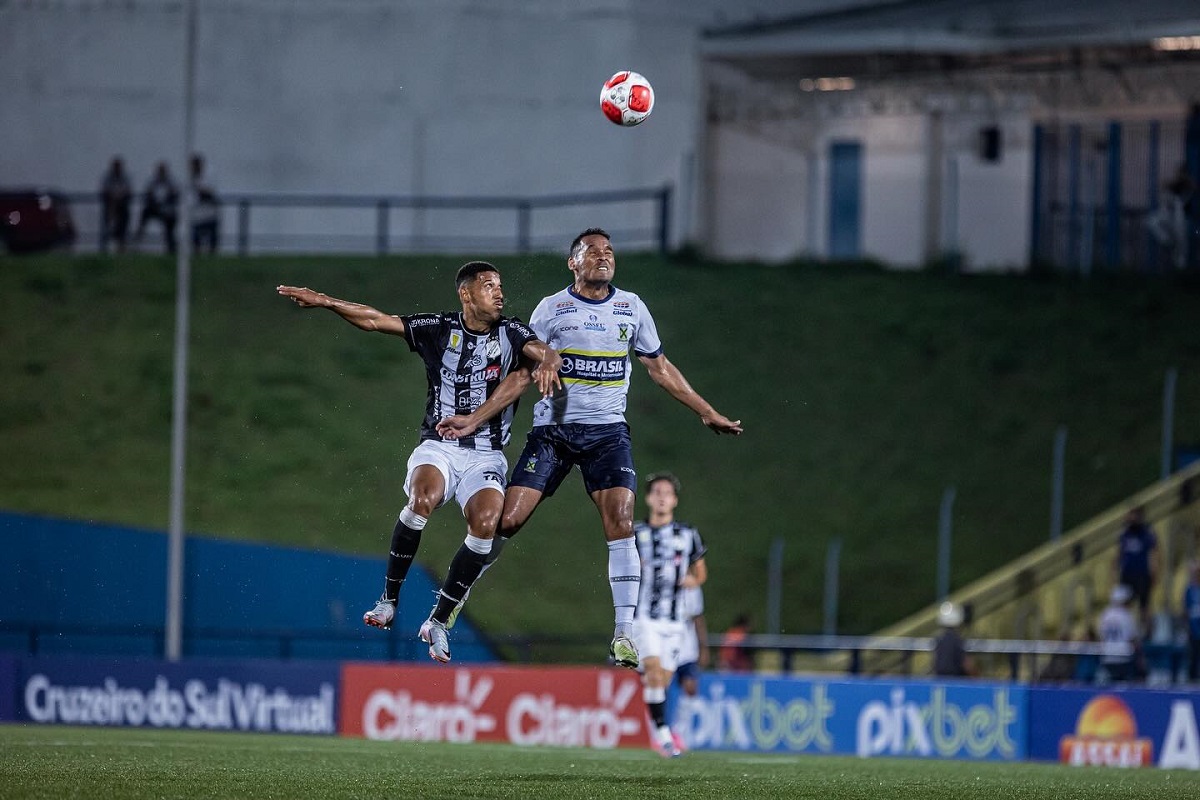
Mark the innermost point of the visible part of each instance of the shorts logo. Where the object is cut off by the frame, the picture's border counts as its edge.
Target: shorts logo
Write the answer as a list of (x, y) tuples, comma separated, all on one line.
[(494, 477), (622, 332), (531, 464)]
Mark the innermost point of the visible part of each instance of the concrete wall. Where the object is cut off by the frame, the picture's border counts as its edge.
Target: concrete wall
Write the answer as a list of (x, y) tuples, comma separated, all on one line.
[(454, 98), (767, 194)]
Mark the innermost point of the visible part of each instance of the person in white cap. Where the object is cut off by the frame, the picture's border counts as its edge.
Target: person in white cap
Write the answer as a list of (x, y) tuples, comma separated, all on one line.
[(1118, 630), (950, 658)]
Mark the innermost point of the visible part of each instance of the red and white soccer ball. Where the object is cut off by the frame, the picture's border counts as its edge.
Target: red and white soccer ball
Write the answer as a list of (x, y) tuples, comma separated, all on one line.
[(627, 98)]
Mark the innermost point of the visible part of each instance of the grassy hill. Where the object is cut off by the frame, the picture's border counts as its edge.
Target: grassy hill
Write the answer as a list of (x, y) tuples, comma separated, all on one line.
[(864, 395)]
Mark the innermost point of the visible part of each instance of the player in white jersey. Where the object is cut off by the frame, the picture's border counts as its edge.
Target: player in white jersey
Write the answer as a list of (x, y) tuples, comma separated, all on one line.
[(467, 354), (672, 555), (596, 327)]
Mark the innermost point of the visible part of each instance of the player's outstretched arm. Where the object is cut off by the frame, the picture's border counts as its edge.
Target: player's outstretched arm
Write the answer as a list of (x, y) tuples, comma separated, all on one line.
[(357, 314), (505, 395), (668, 376), (547, 363)]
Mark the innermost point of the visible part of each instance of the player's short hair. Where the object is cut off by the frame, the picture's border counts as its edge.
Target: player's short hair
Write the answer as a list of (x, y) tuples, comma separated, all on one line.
[(655, 477), (589, 232), (469, 270)]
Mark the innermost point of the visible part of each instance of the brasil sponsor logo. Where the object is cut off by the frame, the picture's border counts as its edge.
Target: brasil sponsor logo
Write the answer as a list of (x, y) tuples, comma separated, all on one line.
[(594, 368)]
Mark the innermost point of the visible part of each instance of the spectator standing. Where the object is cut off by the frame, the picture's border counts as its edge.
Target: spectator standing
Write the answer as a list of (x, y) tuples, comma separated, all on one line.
[(116, 199), (1137, 559), (1191, 610), (206, 209), (1119, 633), (950, 658), (734, 655), (160, 202), (1169, 224)]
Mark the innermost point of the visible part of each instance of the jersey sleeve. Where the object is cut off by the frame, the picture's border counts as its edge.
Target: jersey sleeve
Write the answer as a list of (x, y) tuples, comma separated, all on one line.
[(422, 331), (698, 548), (648, 345), (539, 320), (519, 334)]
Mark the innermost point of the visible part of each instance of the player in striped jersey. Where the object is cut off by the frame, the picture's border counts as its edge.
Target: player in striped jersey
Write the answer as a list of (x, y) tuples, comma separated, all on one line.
[(467, 355), (672, 555), (596, 327)]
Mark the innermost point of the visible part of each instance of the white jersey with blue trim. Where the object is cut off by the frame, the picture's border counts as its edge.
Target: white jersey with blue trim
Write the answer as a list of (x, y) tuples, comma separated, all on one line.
[(595, 338)]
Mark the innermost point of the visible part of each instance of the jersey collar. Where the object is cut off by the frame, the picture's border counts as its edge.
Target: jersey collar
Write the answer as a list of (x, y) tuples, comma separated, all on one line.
[(611, 291)]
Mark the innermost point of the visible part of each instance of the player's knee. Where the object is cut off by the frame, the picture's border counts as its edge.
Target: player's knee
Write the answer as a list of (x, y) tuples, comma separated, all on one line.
[(616, 529), (423, 503), (482, 524)]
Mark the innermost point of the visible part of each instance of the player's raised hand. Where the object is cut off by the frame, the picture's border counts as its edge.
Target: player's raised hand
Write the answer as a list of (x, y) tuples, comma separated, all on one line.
[(304, 297), (546, 375), (455, 427), (719, 423)]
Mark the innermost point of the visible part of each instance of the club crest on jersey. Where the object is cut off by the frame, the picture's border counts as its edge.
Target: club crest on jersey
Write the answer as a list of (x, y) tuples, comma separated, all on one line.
[(622, 332)]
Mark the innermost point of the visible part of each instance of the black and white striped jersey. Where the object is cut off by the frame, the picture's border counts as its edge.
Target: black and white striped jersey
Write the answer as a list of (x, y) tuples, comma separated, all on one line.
[(667, 552), (464, 368)]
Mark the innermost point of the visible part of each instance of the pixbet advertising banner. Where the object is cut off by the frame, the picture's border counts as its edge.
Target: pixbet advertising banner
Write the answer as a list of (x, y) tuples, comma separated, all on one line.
[(1117, 727), (866, 718), (196, 694), (562, 706)]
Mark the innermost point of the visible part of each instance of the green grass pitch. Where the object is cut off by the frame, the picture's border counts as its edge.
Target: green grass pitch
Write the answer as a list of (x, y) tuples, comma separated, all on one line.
[(100, 763)]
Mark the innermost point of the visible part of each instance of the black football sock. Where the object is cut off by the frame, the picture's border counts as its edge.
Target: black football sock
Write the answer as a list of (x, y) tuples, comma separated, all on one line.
[(658, 713), (465, 569), (406, 538)]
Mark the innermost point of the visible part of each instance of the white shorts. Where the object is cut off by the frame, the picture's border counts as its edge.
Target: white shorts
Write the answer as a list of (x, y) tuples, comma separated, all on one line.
[(659, 638), (689, 644), (466, 472)]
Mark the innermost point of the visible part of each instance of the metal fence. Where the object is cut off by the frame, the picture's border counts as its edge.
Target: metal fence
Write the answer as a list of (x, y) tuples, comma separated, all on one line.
[(1099, 188), (382, 224)]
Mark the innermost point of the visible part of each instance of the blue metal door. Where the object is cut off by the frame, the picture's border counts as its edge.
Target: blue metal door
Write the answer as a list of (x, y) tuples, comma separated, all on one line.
[(845, 199)]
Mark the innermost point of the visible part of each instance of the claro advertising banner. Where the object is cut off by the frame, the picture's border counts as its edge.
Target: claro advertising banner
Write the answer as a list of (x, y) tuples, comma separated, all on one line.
[(561, 706), (196, 694), (922, 719), (1115, 727)]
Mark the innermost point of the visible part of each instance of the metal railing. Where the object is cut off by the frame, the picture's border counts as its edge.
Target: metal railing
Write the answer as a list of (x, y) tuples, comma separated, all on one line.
[(383, 224), (780, 654)]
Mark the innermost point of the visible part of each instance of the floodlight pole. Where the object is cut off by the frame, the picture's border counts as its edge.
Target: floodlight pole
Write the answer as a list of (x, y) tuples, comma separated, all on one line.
[(173, 644)]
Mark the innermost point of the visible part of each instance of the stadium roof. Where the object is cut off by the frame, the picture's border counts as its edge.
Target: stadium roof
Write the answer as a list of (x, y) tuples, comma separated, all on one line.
[(892, 38)]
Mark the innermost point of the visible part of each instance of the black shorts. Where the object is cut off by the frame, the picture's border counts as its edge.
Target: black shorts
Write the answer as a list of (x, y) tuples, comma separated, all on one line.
[(603, 453)]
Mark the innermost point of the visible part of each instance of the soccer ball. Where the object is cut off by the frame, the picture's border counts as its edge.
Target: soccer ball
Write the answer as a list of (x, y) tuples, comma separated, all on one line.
[(627, 98)]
